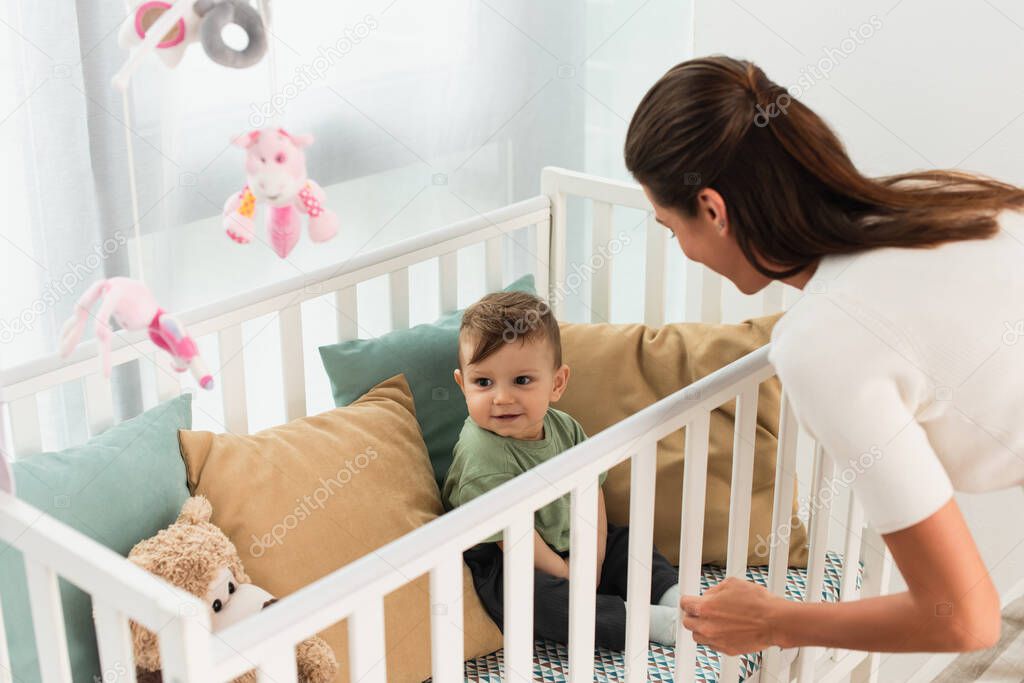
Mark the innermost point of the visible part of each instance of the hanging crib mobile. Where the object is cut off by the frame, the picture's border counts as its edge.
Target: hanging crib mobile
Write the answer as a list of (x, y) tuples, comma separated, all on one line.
[(202, 20), (275, 170)]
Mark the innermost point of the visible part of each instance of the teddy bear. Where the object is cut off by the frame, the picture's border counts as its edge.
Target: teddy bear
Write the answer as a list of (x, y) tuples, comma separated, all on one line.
[(196, 556)]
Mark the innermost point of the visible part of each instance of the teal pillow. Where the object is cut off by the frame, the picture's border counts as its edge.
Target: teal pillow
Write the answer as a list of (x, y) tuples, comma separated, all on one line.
[(427, 355), (120, 487)]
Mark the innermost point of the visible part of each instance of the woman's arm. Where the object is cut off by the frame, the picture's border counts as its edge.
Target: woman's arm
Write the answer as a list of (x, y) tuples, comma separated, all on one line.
[(950, 605), (546, 559)]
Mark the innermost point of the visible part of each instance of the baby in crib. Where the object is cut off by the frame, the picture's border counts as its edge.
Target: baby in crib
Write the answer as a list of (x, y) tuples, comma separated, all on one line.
[(511, 370)]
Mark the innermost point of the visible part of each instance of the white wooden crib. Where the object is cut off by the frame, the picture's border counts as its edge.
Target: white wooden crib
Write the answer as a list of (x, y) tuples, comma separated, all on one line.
[(121, 591)]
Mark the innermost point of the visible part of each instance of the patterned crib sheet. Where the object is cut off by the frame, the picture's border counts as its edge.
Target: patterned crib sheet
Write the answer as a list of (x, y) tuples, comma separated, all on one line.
[(551, 660)]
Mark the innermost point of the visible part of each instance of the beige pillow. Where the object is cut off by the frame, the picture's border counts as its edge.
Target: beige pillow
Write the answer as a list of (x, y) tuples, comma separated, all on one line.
[(636, 365), (305, 498)]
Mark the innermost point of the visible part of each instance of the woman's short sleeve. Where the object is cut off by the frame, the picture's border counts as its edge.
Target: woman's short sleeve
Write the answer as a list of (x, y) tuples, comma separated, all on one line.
[(855, 387)]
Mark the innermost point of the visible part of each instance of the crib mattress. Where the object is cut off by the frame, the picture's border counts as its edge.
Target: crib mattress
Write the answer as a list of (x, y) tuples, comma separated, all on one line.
[(551, 660)]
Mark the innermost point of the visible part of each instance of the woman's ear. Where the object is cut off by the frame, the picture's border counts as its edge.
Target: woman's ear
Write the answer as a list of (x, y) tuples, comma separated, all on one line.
[(560, 383), (712, 208)]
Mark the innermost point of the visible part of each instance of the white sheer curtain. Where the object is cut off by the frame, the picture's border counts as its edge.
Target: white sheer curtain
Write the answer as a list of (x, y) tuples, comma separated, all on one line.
[(423, 112)]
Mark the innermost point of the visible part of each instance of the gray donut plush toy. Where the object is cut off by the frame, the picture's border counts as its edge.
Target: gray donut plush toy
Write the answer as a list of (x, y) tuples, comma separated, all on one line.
[(216, 14), (204, 21)]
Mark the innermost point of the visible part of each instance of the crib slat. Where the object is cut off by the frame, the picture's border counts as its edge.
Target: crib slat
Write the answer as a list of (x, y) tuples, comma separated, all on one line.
[(493, 276), (446, 639), (25, 426), (730, 669), (114, 637), (703, 294), (518, 578), (557, 254), (851, 560), (692, 303), (280, 667), (782, 504), (398, 282), (542, 250), (99, 403), (641, 546), (878, 566), (232, 372), (851, 550), (184, 648), (366, 644), (695, 476), (48, 622), (744, 433), (293, 366), (820, 514), (347, 304), (654, 274), (448, 273), (782, 511), (600, 261), (582, 581), (5, 655), (772, 297)]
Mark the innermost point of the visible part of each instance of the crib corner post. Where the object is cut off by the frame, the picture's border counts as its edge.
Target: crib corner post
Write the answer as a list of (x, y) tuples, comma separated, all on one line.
[(6, 449), (550, 186)]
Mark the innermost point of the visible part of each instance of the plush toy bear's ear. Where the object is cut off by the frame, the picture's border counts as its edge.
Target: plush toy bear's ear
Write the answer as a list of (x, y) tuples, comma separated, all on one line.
[(246, 139), (195, 510)]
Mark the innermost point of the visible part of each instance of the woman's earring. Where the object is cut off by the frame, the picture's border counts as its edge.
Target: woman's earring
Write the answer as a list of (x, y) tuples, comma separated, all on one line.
[(721, 226)]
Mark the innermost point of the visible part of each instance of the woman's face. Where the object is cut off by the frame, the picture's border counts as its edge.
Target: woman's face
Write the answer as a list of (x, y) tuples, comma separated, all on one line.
[(707, 238)]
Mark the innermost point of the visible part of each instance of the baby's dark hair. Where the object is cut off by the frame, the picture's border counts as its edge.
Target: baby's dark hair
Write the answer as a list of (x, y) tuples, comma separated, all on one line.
[(506, 317)]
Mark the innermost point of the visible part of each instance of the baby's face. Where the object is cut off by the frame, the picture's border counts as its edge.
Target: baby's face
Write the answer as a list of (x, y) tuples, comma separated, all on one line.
[(509, 392)]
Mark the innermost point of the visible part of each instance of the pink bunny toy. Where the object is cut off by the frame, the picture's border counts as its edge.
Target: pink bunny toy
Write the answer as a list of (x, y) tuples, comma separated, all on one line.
[(275, 169), (132, 305)]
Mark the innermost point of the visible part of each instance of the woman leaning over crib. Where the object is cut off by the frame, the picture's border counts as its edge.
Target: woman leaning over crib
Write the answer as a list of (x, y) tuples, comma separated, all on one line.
[(901, 345)]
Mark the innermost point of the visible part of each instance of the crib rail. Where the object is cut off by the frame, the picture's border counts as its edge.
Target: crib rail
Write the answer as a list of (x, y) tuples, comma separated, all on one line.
[(356, 591), (120, 591), (704, 289), (509, 508), (20, 385)]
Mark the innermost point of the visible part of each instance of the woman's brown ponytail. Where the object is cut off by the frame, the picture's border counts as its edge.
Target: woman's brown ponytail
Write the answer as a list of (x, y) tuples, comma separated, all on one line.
[(792, 192)]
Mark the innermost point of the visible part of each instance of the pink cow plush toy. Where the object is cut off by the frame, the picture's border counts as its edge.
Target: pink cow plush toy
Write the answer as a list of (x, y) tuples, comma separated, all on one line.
[(275, 170), (132, 305)]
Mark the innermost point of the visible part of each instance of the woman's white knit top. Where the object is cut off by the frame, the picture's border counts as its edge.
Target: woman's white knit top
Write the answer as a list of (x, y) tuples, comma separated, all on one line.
[(907, 366)]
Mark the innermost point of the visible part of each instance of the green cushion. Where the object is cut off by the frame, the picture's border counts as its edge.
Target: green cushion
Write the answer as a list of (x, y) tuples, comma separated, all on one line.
[(427, 355), (120, 487)]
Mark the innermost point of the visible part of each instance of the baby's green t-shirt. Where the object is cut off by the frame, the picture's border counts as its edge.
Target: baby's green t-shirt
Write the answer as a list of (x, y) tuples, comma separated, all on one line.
[(483, 460)]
